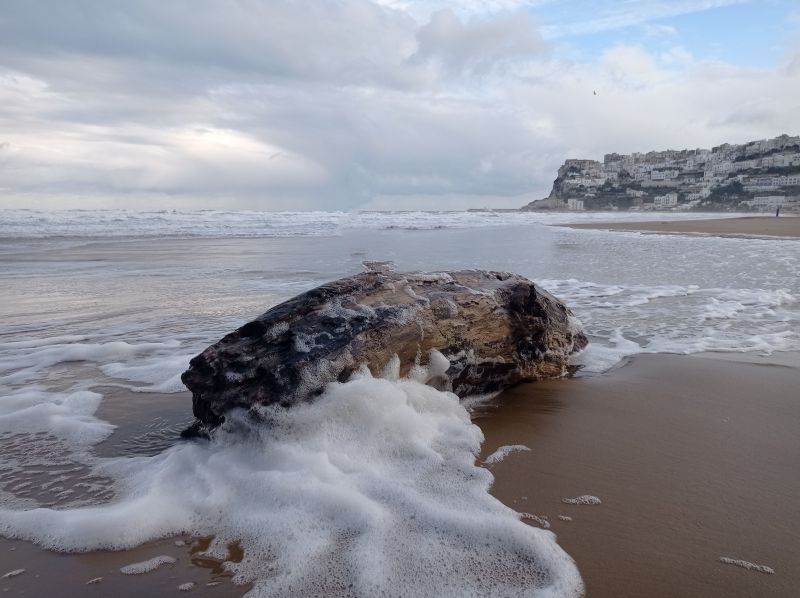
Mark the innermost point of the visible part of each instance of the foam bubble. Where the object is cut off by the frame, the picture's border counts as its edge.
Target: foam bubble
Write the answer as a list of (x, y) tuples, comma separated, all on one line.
[(161, 373), (18, 365), (747, 565), (70, 416), (565, 518), (372, 488), (586, 499), (13, 573), (147, 566), (504, 451), (186, 587), (540, 520), (624, 320)]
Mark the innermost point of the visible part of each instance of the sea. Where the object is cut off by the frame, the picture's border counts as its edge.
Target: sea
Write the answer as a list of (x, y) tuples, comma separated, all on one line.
[(374, 488)]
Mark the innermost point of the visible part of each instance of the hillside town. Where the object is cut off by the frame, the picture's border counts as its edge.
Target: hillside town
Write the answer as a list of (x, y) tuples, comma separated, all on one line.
[(756, 176)]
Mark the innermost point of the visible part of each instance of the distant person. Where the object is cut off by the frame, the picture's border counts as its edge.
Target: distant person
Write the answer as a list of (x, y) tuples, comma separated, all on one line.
[(778, 212)]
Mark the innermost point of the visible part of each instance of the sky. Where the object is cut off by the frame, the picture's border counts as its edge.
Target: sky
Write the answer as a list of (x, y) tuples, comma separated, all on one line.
[(371, 104)]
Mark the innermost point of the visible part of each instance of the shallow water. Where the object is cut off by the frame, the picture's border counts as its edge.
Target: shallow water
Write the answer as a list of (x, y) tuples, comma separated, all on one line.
[(95, 332)]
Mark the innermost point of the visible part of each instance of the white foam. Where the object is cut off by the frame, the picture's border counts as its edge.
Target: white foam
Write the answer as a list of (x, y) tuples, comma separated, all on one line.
[(13, 573), (160, 373), (601, 355), (371, 487), (69, 416), (147, 566), (505, 451), (586, 499), (565, 518), (21, 365), (436, 367), (186, 587), (747, 565), (624, 320), (94, 581), (540, 520), (221, 223)]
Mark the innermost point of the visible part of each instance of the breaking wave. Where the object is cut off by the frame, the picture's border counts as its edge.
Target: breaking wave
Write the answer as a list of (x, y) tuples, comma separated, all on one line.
[(370, 490), (34, 224)]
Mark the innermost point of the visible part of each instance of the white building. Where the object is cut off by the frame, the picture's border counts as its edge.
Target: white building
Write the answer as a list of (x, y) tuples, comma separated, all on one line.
[(743, 165), (663, 175), (767, 202), (667, 200), (574, 204), (697, 195)]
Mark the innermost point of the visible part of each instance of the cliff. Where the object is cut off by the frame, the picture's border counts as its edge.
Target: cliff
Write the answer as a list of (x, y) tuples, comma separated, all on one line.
[(755, 176)]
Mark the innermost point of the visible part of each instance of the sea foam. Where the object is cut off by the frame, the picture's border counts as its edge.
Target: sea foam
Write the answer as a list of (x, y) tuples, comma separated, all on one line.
[(33, 224), (504, 451), (147, 566), (371, 489), (586, 499), (747, 565), (23, 363)]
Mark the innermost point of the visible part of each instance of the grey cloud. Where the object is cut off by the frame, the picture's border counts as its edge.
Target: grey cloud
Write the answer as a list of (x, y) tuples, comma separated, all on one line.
[(349, 41), (279, 104), (750, 114), (479, 46), (199, 97)]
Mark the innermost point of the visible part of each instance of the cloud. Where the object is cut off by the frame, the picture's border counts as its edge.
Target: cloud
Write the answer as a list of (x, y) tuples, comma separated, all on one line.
[(659, 30), (677, 55), (277, 104), (630, 67), (479, 46), (347, 41), (423, 9), (607, 15)]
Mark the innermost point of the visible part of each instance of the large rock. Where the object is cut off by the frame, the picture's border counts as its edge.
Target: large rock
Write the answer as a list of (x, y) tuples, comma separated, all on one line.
[(493, 328)]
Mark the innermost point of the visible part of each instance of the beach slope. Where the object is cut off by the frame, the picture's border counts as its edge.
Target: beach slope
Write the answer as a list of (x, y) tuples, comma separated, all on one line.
[(693, 459), (749, 226)]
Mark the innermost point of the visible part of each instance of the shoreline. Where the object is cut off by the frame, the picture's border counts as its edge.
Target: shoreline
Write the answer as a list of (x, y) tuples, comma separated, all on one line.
[(688, 471), (758, 227)]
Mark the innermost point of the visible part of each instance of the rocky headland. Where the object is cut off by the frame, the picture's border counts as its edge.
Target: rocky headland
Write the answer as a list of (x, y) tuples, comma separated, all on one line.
[(755, 176), (469, 332)]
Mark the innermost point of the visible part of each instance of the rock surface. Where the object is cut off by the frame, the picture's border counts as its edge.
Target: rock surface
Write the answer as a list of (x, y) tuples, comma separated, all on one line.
[(476, 332)]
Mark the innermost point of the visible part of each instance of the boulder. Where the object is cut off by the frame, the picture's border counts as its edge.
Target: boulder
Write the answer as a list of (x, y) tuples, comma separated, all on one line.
[(476, 331)]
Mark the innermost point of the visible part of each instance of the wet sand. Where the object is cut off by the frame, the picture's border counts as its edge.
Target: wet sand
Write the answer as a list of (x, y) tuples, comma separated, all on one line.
[(146, 424), (53, 574), (755, 226), (693, 458)]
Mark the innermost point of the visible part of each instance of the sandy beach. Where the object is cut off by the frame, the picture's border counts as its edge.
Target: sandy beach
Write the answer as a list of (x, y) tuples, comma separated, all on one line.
[(693, 458), (755, 226)]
